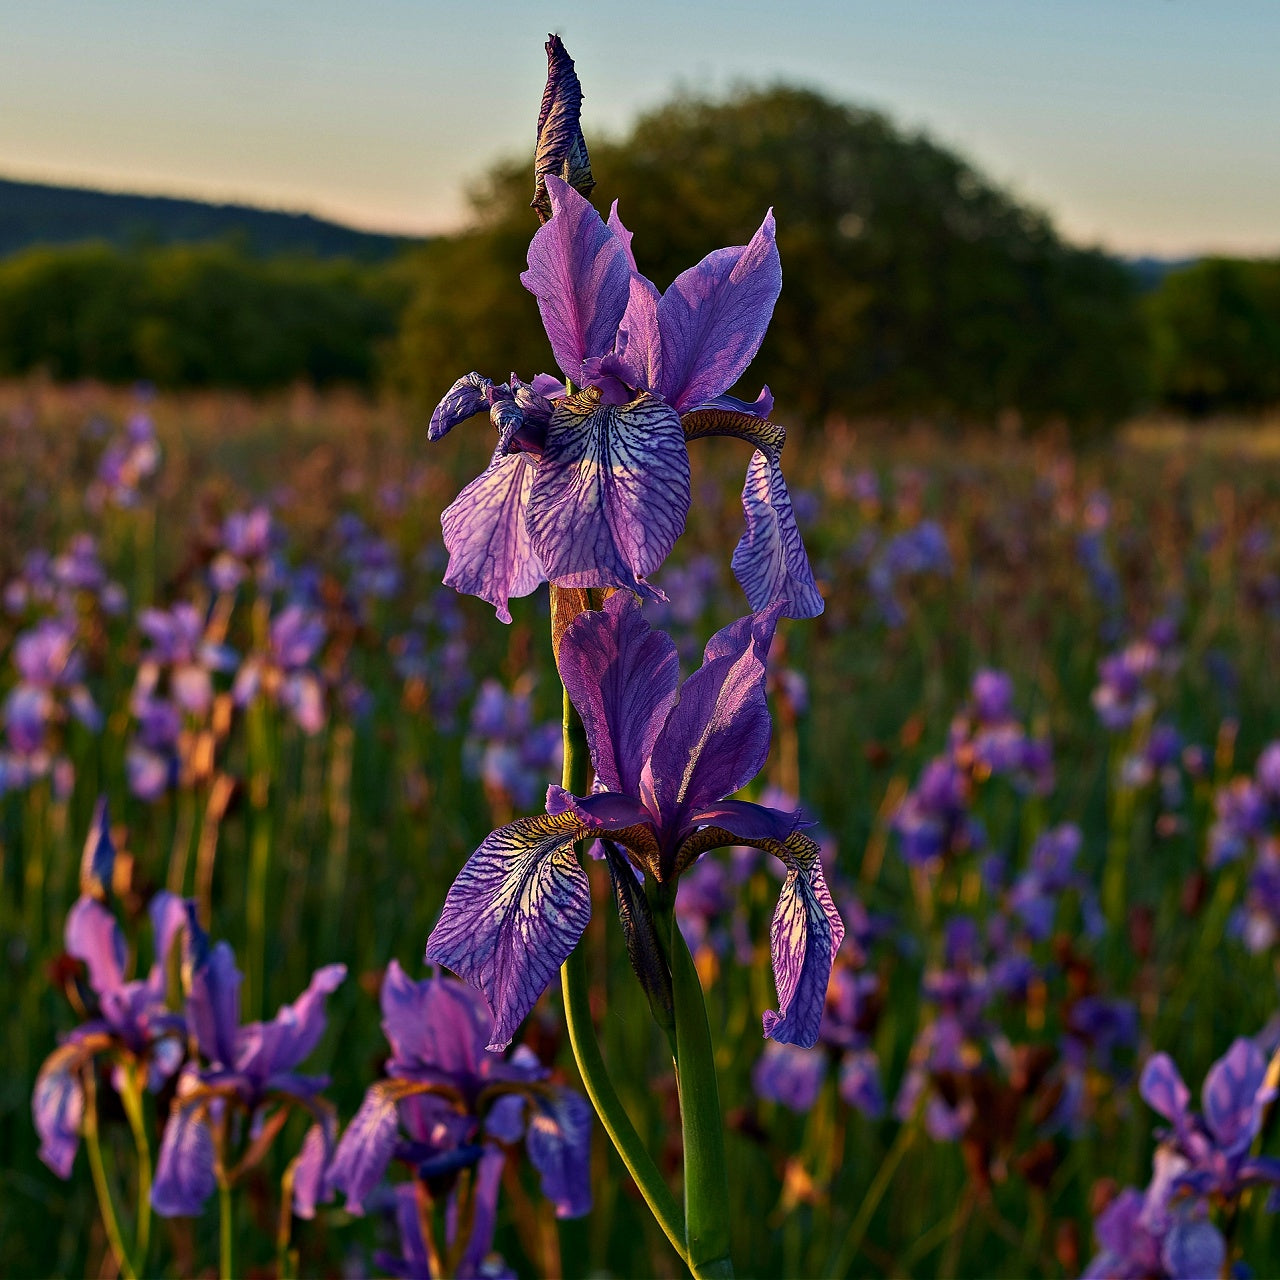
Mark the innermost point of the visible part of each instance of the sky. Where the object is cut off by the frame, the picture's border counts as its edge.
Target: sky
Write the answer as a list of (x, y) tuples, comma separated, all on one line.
[(1143, 126)]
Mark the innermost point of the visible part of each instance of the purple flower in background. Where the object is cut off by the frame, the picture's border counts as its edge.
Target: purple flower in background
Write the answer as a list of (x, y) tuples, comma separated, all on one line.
[(912, 553), (129, 1019), (589, 485), (515, 758), (666, 757), (247, 1068), (285, 672), (1051, 872), (127, 463), (934, 820), (790, 1075), (1124, 686), (246, 550), (1247, 811), (1144, 1236), (1214, 1149), (448, 1105)]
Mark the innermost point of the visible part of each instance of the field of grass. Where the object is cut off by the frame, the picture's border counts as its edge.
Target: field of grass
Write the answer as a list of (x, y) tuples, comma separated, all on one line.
[(320, 816)]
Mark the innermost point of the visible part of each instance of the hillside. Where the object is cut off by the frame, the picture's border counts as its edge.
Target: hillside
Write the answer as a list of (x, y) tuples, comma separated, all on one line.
[(37, 214)]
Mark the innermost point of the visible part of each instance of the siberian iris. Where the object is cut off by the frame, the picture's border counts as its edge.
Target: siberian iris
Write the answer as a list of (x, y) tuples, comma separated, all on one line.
[(666, 756), (589, 484)]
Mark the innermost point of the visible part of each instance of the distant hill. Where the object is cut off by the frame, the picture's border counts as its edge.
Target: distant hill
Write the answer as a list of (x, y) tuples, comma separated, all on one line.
[(33, 213), (1150, 271)]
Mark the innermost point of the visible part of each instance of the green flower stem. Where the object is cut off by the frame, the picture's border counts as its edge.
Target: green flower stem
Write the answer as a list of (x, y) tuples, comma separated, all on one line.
[(706, 1179), (586, 1048), (875, 1193), (101, 1185), (131, 1097), (226, 1230)]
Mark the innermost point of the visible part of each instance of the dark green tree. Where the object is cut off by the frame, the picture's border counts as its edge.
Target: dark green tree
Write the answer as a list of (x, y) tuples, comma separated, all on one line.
[(911, 284)]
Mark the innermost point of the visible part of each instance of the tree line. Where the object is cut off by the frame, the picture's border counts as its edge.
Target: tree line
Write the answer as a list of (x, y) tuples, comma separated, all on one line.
[(913, 287)]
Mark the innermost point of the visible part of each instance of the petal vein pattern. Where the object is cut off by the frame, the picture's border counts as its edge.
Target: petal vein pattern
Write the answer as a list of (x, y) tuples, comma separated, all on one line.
[(611, 493), (806, 934), (490, 551), (770, 560), (516, 910)]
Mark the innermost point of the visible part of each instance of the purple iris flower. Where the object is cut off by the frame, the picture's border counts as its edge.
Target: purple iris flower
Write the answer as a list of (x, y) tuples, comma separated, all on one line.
[(285, 672), (1123, 693), (248, 1069), (1215, 1147), (589, 485), (666, 756), (513, 756), (1146, 1236), (50, 688), (125, 1018), (934, 820), (127, 462), (448, 1105)]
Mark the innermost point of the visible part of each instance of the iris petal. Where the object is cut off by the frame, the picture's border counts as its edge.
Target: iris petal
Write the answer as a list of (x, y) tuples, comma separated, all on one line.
[(804, 938), (714, 316), (623, 678), (578, 272), (770, 560), (515, 912), (490, 552), (611, 494), (467, 397)]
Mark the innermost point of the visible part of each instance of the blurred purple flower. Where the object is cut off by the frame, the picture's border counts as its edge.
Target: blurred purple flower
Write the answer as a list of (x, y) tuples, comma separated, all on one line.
[(449, 1105), (246, 1069)]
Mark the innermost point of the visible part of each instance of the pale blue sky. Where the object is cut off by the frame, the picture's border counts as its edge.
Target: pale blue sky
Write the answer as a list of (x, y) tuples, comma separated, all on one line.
[(1143, 125)]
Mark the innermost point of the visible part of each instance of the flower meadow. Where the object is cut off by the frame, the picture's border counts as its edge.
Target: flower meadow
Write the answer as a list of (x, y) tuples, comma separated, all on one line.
[(869, 868)]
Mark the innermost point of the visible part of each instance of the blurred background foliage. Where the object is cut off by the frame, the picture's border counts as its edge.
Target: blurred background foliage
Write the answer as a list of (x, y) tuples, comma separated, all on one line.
[(915, 288)]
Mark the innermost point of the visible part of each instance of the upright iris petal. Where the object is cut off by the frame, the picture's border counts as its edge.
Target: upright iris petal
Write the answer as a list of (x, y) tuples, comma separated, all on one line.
[(561, 149), (579, 273)]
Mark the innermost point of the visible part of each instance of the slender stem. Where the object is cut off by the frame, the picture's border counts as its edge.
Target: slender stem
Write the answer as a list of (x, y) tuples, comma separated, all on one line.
[(875, 1193), (285, 1226), (100, 1183), (706, 1177), (586, 1048), (132, 1100), (226, 1230)]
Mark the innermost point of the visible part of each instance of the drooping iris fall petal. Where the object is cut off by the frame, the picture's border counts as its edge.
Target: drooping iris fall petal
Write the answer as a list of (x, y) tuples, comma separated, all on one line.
[(515, 912)]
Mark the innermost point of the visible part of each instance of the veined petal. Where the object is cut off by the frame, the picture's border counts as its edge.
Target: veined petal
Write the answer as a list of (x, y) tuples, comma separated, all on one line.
[(185, 1176), (638, 355), (714, 316), (770, 560), (367, 1146), (558, 1140), (92, 935), (1233, 1096), (515, 912), (57, 1108), (806, 934), (623, 678), (614, 223), (310, 1173), (579, 273), (716, 739), (732, 822), (561, 149), (611, 493), (490, 552), (623, 819), (213, 1005), (467, 397)]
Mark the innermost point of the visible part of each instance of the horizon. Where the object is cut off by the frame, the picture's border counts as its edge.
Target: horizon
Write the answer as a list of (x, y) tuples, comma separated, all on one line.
[(1141, 132)]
